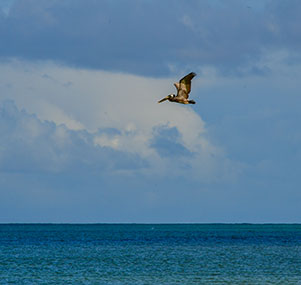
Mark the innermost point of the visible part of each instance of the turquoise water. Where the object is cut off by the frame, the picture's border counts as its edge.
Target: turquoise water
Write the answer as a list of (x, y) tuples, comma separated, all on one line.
[(150, 254)]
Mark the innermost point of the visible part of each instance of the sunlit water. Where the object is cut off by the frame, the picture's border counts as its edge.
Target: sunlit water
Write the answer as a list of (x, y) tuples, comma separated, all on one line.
[(150, 254)]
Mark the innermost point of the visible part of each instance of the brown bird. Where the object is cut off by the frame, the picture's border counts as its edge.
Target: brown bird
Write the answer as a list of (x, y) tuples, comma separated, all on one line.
[(183, 90)]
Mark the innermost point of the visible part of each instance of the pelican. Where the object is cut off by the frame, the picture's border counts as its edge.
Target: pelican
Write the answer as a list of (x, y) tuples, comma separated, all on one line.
[(183, 90)]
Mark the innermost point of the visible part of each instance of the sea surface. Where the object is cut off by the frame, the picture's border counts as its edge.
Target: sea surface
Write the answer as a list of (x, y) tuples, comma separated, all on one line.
[(150, 254)]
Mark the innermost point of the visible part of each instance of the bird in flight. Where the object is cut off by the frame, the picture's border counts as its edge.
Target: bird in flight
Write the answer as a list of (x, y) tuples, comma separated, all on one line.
[(183, 90)]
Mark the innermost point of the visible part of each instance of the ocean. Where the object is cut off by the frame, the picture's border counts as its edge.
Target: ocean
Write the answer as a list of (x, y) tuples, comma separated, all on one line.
[(150, 254)]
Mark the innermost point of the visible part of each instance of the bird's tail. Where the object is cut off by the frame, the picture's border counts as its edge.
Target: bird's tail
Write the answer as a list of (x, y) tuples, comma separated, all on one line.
[(191, 102)]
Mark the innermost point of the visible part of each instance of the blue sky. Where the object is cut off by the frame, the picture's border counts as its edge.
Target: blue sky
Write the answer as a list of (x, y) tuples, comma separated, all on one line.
[(82, 138)]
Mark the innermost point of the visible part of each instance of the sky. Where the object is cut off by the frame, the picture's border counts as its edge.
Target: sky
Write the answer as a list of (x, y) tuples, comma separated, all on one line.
[(83, 140)]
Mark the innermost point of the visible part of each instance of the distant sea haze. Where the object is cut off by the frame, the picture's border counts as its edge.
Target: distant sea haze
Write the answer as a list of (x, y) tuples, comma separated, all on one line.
[(150, 253)]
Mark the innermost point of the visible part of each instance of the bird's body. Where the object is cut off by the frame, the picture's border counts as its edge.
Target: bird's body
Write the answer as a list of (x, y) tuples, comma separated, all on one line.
[(183, 89)]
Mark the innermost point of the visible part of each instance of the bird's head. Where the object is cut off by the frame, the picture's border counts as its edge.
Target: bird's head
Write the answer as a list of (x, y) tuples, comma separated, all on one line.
[(168, 97)]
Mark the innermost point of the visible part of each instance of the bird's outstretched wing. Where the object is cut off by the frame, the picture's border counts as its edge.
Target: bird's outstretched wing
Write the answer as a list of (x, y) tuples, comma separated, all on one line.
[(184, 85)]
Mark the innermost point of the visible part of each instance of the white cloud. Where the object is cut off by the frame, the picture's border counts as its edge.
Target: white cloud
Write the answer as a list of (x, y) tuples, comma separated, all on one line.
[(29, 145), (95, 101)]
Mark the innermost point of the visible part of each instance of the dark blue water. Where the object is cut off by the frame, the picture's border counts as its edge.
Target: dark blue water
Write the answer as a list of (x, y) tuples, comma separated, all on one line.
[(150, 254)]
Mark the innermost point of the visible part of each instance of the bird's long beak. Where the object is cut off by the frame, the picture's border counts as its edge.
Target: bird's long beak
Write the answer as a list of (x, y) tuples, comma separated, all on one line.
[(162, 100)]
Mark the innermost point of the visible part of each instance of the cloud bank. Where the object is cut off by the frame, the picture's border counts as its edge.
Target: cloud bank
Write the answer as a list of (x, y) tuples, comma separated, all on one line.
[(29, 145), (104, 121)]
